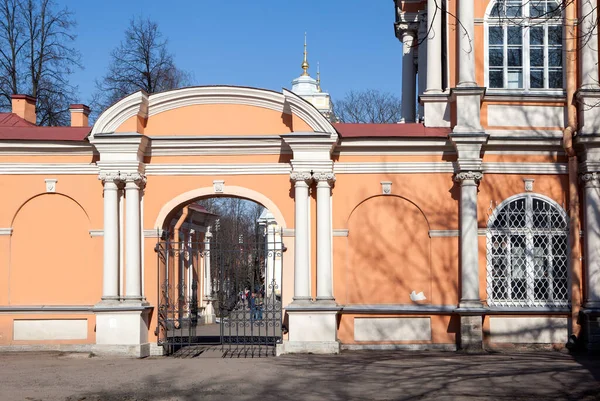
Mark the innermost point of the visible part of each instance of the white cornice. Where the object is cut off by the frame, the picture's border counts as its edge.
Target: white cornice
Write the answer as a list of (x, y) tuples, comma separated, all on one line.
[(118, 113), (525, 168), (48, 168), (392, 167), (165, 101), (218, 169), (26, 148), (307, 112), (216, 145)]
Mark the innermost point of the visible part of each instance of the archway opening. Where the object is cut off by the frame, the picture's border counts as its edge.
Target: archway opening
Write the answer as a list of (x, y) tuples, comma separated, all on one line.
[(220, 276)]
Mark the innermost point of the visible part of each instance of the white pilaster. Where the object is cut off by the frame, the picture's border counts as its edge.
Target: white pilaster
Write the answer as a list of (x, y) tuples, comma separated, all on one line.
[(466, 44), (301, 236), (110, 276), (588, 38), (408, 75), (434, 46), (592, 239), (133, 266), (469, 248), (324, 237)]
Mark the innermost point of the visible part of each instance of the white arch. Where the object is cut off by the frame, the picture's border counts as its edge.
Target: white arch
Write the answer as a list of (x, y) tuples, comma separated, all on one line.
[(228, 190), (524, 195), (144, 105)]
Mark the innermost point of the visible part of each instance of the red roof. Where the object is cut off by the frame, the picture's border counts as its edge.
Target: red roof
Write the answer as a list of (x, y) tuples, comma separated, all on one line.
[(389, 130), (13, 127)]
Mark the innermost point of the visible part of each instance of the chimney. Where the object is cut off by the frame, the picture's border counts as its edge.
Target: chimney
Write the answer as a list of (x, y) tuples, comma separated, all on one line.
[(79, 115), (24, 107)]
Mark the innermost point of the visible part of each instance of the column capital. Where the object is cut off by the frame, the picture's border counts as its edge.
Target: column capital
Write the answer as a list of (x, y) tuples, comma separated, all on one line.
[(111, 176), (407, 28), (591, 180), (301, 177), (136, 178), (463, 176), (319, 177)]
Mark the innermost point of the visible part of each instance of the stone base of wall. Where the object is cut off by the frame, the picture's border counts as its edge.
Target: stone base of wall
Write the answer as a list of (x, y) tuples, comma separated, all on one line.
[(471, 333), (591, 329)]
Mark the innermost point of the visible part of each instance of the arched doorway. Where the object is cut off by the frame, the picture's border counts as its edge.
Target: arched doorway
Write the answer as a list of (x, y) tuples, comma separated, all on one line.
[(220, 261)]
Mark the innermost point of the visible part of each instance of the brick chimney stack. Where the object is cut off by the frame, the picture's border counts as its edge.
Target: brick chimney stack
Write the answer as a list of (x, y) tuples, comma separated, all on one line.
[(79, 115), (24, 107)]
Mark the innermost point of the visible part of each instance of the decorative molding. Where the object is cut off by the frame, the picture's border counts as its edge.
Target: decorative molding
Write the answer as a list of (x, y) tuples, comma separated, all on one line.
[(46, 308), (591, 180), (323, 176), (156, 233), (307, 112), (217, 145), (55, 148), (111, 176), (528, 184), (340, 232), (218, 169), (118, 113), (468, 176), (288, 232), (392, 167), (398, 309), (6, 231), (301, 176), (525, 168), (51, 184), (218, 186), (386, 187), (481, 232), (96, 233), (48, 168)]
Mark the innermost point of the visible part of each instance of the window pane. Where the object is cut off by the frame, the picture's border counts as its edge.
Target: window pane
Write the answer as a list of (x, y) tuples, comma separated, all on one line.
[(513, 9), (555, 35), (499, 289), (554, 9), (536, 57), (495, 10), (537, 8), (536, 35), (541, 290), (514, 35), (496, 57), (496, 35), (515, 79), (496, 79), (555, 79), (514, 57), (555, 57), (536, 79)]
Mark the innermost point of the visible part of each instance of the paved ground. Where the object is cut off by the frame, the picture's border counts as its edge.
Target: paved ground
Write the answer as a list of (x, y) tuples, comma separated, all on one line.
[(349, 376)]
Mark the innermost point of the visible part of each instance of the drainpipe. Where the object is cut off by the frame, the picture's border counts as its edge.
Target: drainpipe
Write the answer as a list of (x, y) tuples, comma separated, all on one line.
[(568, 134), (179, 287)]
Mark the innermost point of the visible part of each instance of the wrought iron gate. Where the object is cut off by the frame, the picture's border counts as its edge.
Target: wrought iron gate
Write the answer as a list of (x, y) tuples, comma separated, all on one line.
[(217, 294)]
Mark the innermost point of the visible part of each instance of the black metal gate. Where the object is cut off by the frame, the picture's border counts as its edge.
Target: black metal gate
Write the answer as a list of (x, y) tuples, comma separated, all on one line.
[(218, 296)]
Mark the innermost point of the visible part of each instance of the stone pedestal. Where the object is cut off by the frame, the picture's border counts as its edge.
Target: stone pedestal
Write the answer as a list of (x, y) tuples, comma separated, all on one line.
[(313, 330), (436, 108), (471, 333), (122, 330)]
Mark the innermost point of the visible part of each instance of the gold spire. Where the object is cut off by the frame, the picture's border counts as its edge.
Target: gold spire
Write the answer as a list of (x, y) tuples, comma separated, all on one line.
[(318, 77), (305, 62)]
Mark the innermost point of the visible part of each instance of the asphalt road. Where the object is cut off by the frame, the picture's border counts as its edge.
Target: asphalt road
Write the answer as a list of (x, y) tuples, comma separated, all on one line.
[(349, 376)]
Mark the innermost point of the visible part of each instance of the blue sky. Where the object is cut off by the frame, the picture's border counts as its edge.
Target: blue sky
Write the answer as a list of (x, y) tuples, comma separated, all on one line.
[(252, 43)]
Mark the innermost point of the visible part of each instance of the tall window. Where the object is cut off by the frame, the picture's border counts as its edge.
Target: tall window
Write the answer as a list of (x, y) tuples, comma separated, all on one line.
[(527, 254), (525, 45)]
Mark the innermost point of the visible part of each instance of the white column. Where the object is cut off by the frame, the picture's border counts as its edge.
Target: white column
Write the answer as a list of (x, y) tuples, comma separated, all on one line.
[(469, 248), (301, 237), (133, 243), (408, 76), (466, 44), (591, 235), (110, 276), (434, 46), (589, 43), (324, 234), (207, 278)]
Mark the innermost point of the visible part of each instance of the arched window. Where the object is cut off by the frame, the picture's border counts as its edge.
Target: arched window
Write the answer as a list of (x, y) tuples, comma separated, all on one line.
[(527, 253), (524, 45)]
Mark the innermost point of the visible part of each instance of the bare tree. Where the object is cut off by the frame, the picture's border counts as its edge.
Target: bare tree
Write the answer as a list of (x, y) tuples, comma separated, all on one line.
[(368, 106), (37, 56), (141, 62)]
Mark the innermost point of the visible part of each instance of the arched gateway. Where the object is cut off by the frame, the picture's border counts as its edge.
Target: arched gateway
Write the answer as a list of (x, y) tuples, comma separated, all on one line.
[(160, 153)]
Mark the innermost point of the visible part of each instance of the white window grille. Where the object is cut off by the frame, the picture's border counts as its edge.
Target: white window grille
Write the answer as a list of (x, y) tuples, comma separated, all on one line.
[(527, 254), (524, 45)]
